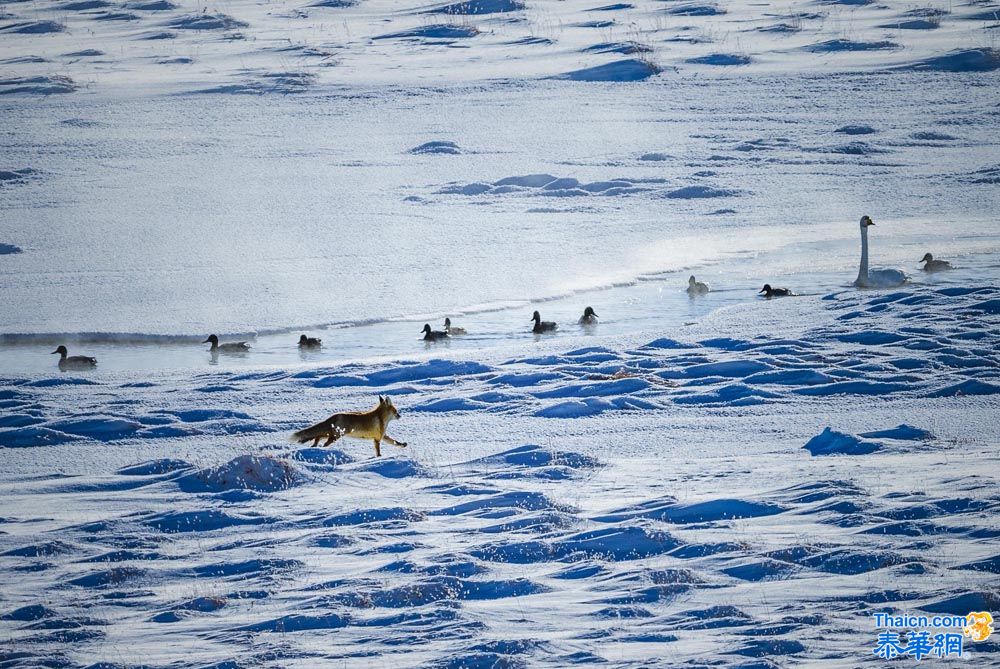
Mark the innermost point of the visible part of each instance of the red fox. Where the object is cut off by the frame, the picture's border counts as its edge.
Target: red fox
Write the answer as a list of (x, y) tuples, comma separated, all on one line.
[(358, 424)]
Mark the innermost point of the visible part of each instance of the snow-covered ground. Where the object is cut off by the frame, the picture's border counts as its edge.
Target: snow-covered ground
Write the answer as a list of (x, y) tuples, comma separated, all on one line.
[(632, 502), (719, 481)]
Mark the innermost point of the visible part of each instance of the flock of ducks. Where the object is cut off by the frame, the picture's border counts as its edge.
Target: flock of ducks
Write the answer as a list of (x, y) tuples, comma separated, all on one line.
[(588, 318), (867, 278)]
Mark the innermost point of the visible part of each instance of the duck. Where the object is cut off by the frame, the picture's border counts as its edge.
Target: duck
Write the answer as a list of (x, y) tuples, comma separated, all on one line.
[(774, 292), (433, 335), (230, 347), (933, 265), (589, 317), (310, 342), (542, 326), (451, 329), (76, 362), (876, 278), (696, 287)]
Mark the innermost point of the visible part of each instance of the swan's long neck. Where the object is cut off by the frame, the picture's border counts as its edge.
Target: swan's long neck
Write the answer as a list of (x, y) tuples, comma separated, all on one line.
[(863, 270)]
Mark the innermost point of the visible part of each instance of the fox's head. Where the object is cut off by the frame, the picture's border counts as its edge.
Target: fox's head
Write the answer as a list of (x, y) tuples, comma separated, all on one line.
[(385, 404)]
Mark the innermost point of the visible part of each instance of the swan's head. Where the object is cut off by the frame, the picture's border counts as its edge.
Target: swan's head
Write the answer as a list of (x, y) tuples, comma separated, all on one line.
[(536, 316), (866, 221), (447, 322), (765, 289), (61, 351), (212, 339), (589, 311), (927, 258), (303, 339), (427, 328), (691, 280)]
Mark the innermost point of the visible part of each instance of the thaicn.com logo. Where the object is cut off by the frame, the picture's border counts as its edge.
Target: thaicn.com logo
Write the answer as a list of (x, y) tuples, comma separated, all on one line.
[(917, 637)]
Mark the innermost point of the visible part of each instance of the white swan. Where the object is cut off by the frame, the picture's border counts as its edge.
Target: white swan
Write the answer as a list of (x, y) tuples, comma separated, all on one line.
[(696, 287), (876, 278)]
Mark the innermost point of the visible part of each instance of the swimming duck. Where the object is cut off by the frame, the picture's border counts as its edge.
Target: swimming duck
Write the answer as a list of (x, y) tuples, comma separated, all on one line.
[(540, 325), (452, 330), (935, 265), (774, 292), (589, 317), (696, 287), (231, 347), (433, 335), (876, 278), (75, 362), (310, 342)]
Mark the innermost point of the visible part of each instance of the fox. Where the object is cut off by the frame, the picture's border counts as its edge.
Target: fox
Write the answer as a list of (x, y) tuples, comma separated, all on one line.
[(358, 424)]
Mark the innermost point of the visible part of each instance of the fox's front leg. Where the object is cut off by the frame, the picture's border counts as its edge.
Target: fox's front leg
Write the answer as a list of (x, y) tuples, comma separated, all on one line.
[(378, 451), (390, 440)]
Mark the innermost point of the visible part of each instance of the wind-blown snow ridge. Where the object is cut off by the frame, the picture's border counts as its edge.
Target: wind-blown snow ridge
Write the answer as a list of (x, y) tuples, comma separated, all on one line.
[(547, 185)]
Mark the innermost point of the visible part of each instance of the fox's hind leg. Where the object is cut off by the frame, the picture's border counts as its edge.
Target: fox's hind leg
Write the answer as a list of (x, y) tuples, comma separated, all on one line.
[(334, 436), (378, 451)]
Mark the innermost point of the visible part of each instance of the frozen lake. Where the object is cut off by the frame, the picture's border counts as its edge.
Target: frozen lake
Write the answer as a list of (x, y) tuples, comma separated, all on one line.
[(168, 218)]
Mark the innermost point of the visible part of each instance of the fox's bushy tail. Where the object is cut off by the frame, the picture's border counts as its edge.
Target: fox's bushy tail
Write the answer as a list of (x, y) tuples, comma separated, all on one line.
[(320, 429)]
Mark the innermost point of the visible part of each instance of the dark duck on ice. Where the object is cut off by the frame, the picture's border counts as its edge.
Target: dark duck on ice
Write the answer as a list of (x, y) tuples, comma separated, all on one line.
[(770, 292), (433, 335), (74, 362), (933, 265), (230, 347), (310, 342), (542, 326)]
